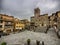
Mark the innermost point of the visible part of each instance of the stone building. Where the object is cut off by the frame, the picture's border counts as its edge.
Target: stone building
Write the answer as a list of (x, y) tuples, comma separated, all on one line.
[(42, 22), (1, 23), (52, 20), (6, 23), (55, 19), (27, 23), (58, 19), (18, 25), (39, 21)]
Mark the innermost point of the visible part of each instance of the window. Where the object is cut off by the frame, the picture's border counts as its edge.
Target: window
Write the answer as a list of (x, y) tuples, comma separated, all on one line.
[(42, 24), (17, 22), (39, 20), (1, 21), (9, 22), (0, 17), (0, 26), (16, 26)]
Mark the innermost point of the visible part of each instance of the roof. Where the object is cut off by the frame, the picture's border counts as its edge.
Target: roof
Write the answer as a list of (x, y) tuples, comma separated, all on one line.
[(32, 17), (37, 8), (57, 12), (53, 14), (5, 15)]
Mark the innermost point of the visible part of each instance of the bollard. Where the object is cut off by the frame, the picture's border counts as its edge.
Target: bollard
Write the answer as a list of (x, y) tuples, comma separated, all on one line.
[(58, 35), (47, 29), (0, 36), (37, 42), (42, 42), (28, 42)]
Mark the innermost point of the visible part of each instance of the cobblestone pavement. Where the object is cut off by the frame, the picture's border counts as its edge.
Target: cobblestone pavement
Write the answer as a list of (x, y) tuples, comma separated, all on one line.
[(20, 38)]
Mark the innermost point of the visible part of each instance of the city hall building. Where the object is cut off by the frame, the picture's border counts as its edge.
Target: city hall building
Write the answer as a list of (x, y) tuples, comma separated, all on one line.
[(42, 22)]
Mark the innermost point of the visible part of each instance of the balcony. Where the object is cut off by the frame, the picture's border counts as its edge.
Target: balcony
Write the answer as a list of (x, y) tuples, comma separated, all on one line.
[(9, 23), (8, 19), (32, 24), (6, 27)]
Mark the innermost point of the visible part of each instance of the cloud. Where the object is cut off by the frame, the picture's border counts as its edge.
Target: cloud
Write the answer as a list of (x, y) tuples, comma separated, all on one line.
[(48, 6), (25, 8)]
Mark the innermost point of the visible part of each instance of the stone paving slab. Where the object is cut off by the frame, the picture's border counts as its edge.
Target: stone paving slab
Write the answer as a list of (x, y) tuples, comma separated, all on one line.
[(20, 38)]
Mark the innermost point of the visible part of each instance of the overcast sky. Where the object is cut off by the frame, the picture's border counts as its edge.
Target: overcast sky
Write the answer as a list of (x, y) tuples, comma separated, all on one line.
[(24, 9)]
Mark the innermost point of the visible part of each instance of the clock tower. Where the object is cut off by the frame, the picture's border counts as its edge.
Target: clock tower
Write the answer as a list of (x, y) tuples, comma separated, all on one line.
[(36, 12)]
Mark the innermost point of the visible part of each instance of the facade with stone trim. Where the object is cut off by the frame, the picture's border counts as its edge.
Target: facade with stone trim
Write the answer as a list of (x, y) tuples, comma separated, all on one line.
[(41, 22)]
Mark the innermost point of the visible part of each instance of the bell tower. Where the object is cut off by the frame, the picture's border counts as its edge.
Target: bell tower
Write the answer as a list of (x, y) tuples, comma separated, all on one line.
[(36, 12)]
